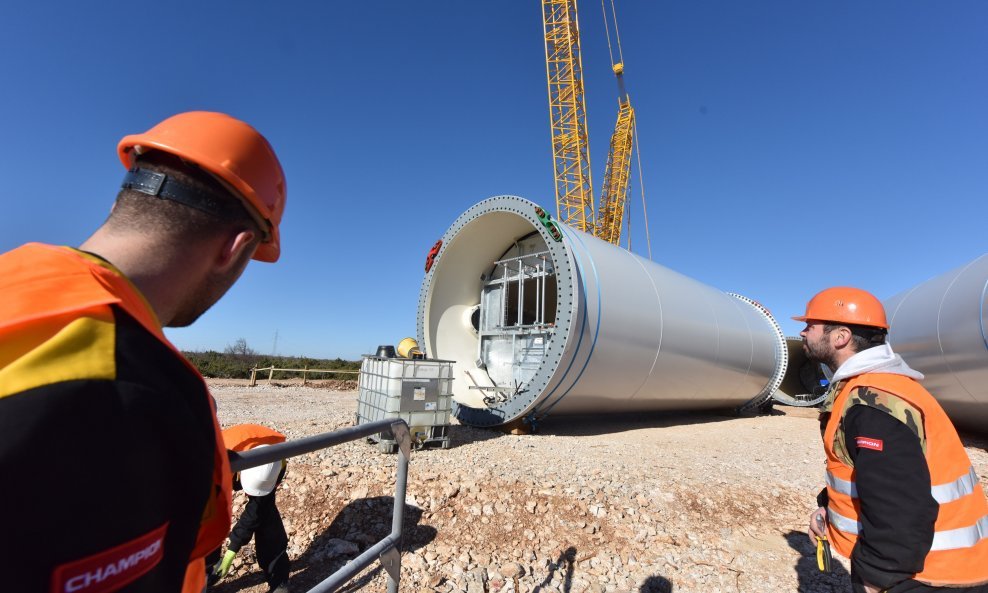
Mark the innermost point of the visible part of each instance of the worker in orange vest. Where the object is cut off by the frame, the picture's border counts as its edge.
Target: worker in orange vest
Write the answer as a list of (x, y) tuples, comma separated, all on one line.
[(260, 519), (92, 391), (902, 499)]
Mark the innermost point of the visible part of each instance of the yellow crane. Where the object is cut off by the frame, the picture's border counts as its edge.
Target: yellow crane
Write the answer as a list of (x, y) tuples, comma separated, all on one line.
[(568, 125), (568, 114), (614, 193)]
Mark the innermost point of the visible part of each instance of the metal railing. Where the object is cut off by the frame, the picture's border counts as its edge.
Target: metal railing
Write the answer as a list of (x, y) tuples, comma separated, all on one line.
[(388, 550)]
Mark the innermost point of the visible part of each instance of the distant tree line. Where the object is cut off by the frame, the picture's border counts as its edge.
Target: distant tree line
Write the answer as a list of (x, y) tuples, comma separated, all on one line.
[(238, 358)]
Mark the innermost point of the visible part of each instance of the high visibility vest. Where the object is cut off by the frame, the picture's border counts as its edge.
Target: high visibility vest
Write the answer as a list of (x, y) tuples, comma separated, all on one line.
[(959, 554), (74, 283), (244, 437)]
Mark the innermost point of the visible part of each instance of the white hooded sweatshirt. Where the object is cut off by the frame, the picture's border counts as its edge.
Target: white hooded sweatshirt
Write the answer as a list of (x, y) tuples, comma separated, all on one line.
[(879, 359)]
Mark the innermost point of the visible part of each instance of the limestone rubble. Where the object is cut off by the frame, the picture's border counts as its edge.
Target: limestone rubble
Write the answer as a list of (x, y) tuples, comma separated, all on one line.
[(684, 502)]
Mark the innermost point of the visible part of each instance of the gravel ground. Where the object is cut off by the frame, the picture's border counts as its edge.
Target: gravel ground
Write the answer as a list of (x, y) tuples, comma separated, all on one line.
[(681, 502)]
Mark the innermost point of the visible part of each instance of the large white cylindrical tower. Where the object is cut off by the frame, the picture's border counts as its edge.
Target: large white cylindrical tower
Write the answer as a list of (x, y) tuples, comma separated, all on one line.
[(540, 318), (939, 328)]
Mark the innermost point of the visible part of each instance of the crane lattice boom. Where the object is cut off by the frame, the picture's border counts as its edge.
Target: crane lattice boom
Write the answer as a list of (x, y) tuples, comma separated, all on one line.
[(568, 115), (614, 193)]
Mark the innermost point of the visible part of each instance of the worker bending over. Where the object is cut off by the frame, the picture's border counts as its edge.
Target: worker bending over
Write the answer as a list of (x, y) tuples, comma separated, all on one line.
[(902, 500), (260, 519), (116, 472)]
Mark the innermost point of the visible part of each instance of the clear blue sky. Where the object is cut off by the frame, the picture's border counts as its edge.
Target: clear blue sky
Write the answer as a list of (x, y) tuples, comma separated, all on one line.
[(786, 146)]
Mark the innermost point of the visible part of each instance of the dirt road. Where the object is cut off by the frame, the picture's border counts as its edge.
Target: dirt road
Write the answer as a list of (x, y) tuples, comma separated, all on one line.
[(684, 502)]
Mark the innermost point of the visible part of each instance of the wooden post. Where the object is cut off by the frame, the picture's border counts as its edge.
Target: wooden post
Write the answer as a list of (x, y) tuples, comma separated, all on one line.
[(270, 374), (253, 377), (305, 372)]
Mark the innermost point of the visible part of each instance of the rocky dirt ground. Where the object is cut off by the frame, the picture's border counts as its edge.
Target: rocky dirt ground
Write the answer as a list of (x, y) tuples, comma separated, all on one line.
[(675, 502)]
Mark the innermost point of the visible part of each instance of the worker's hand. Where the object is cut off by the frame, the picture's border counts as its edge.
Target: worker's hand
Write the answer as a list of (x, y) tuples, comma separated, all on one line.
[(818, 524), (223, 566)]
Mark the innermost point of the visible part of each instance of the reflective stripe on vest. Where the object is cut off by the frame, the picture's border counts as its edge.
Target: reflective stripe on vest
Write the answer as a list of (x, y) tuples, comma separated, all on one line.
[(961, 487), (843, 523), (962, 537), (952, 539), (942, 493), (842, 486)]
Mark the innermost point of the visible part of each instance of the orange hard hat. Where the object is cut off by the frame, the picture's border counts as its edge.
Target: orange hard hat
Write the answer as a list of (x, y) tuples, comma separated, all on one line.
[(232, 151), (846, 305)]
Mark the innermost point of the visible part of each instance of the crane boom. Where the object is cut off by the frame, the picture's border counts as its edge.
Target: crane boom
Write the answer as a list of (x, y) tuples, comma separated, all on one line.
[(614, 192), (568, 115)]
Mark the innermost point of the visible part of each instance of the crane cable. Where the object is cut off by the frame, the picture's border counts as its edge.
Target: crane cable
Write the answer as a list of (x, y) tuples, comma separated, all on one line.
[(641, 184), (627, 216), (607, 32), (638, 150)]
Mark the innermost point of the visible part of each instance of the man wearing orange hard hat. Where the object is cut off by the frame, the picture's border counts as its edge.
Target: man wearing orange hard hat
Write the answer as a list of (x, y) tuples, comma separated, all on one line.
[(129, 483), (902, 499)]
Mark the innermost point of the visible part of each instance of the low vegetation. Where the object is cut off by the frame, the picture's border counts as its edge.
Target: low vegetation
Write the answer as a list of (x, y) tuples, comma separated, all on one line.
[(237, 359)]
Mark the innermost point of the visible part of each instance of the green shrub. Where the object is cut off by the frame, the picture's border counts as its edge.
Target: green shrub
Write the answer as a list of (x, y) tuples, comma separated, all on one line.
[(225, 365)]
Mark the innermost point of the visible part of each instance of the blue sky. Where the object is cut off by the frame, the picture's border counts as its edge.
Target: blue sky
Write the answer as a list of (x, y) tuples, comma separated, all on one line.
[(786, 145)]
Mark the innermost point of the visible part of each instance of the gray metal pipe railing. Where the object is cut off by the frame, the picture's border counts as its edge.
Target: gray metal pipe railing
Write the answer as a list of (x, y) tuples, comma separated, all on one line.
[(389, 548)]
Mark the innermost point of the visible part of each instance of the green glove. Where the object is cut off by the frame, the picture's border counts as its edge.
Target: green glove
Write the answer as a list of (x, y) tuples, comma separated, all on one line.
[(223, 566)]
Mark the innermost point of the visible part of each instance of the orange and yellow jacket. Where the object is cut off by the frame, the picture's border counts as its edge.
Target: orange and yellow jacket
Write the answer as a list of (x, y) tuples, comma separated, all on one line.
[(135, 487)]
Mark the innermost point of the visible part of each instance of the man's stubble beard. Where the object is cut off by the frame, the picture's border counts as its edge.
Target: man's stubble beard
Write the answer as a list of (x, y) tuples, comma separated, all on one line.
[(209, 292)]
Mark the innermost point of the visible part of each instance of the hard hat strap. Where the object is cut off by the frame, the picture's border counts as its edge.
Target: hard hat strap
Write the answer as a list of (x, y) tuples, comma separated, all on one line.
[(162, 186)]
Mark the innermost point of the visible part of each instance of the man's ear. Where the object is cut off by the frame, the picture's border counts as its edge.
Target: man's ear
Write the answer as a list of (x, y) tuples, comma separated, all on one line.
[(843, 337), (233, 249)]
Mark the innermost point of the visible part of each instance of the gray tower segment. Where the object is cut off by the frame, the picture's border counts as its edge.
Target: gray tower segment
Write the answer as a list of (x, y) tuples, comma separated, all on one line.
[(577, 325), (939, 328)]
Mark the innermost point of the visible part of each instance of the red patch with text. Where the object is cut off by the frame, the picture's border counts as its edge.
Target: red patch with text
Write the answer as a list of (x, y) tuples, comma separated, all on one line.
[(870, 443), (111, 569)]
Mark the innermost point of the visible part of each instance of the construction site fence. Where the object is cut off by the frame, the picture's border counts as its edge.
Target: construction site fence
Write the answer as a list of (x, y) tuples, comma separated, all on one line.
[(305, 373), (388, 550)]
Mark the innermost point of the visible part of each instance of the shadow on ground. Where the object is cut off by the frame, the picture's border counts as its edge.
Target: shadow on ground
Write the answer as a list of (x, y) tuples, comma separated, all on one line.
[(563, 566), (656, 584), (810, 578), (461, 434), (602, 424), (970, 439), (350, 533)]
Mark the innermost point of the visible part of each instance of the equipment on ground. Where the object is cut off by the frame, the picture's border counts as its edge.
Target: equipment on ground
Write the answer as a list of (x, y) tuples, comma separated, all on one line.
[(581, 326), (386, 351), (419, 391), (409, 348), (940, 328)]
